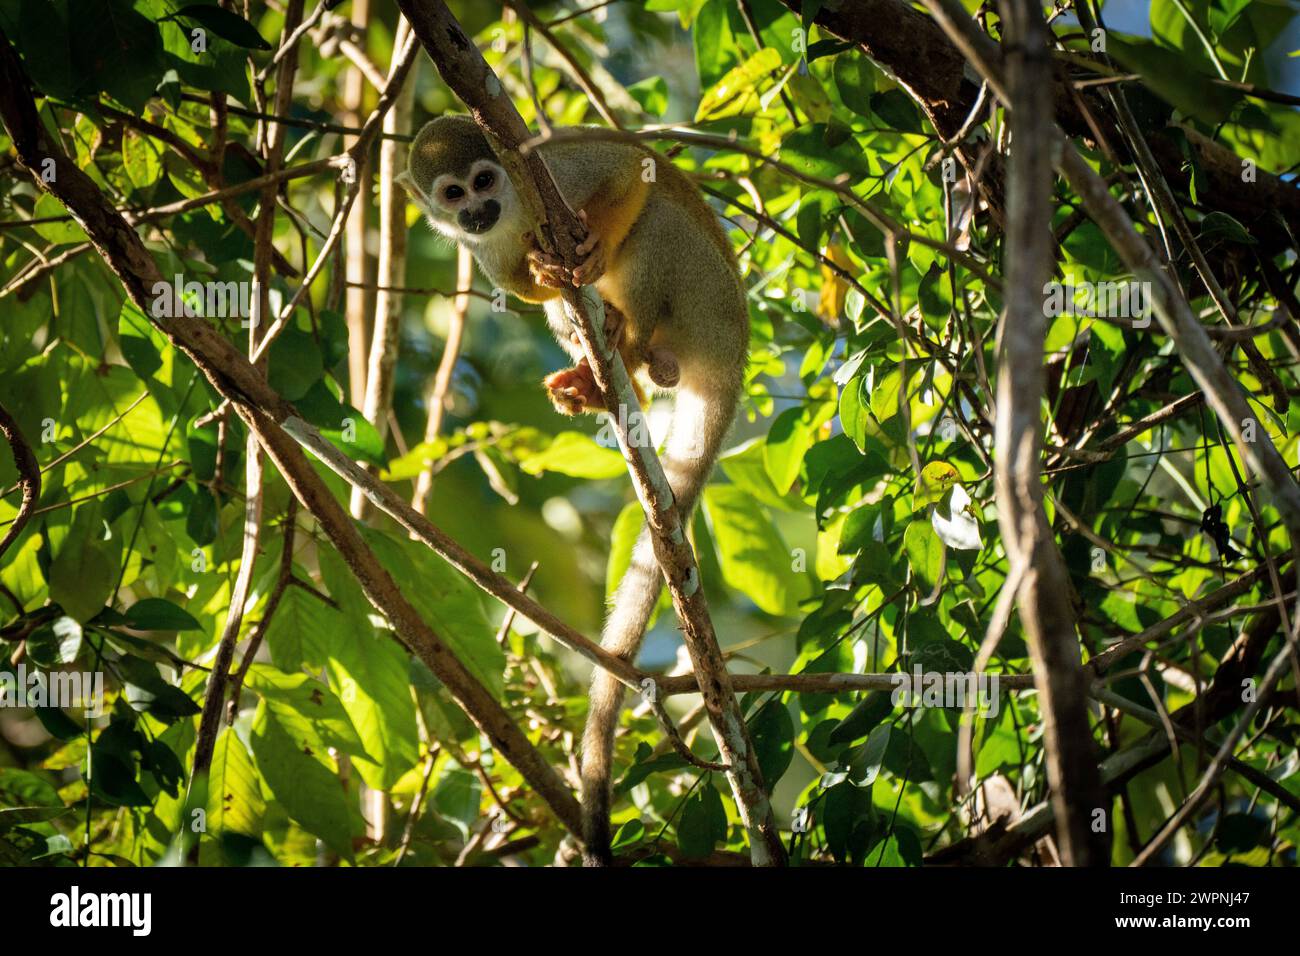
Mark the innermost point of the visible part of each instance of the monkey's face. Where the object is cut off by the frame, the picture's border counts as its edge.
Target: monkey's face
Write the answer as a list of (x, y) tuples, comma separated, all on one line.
[(454, 177), (466, 206), (472, 201)]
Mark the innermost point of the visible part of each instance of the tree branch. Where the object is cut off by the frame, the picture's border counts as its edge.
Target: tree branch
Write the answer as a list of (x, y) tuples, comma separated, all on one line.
[(231, 375), (1043, 587), (384, 344), (29, 476), (466, 72), (914, 49)]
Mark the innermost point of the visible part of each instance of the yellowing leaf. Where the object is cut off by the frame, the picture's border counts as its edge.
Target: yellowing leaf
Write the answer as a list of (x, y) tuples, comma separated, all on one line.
[(933, 483), (577, 455), (834, 289), (738, 91)]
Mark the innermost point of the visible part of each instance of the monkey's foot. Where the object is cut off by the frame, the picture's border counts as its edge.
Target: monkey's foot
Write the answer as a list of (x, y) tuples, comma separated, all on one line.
[(661, 364), (548, 270), (592, 253), (574, 390)]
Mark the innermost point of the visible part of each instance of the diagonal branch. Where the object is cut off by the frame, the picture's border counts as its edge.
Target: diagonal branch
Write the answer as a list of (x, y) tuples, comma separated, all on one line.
[(262, 409), (29, 476), (465, 71)]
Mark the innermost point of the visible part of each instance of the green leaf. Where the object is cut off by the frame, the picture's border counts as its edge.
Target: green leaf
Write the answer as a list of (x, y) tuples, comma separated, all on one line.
[(896, 110), (447, 601), (716, 49), (40, 34), (142, 159), (702, 823), (746, 466), (854, 415), (307, 710), (83, 574), (621, 542), (306, 786), (810, 152), (628, 835), (789, 439), (457, 798), (772, 732), (121, 55), (345, 427), (754, 559), (295, 363), (135, 334), (1221, 226), (25, 789), (925, 554), (934, 296), (864, 761), (371, 675), (1167, 73), (652, 95), (863, 718), (846, 818), (300, 628), (235, 802), (201, 518), (935, 481), (59, 233), (884, 397), (577, 455), (159, 614), (855, 79), (112, 779), (227, 25)]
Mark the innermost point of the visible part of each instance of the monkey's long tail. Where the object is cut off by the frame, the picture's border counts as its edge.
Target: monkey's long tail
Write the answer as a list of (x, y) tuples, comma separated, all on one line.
[(702, 414)]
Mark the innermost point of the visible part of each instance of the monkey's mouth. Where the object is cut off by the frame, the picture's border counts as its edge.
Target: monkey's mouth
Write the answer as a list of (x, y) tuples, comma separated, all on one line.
[(480, 219)]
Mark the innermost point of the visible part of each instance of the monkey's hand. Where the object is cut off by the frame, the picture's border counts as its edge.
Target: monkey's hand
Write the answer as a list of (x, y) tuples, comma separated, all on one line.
[(574, 390), (591, 250), (547, 269)]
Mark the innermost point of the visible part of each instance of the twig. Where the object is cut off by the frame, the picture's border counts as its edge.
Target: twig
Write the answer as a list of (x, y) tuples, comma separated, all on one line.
[(386, 340), (416, 805), (508, 621), (29, 477), (289, 526), (580, 74), (436, 403)]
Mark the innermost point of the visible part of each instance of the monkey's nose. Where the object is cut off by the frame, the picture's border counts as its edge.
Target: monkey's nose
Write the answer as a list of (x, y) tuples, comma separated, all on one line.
[(481, 218)]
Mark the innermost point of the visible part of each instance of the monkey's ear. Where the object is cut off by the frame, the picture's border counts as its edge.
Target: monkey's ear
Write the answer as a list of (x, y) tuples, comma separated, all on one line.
[(404, 180)]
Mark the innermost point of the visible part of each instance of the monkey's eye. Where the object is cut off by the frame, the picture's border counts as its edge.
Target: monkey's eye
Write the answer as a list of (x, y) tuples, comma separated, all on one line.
[(452, 193), (483, 180)]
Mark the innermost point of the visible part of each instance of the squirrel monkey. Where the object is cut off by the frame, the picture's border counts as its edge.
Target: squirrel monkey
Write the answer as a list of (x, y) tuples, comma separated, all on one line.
[(675, 309)]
